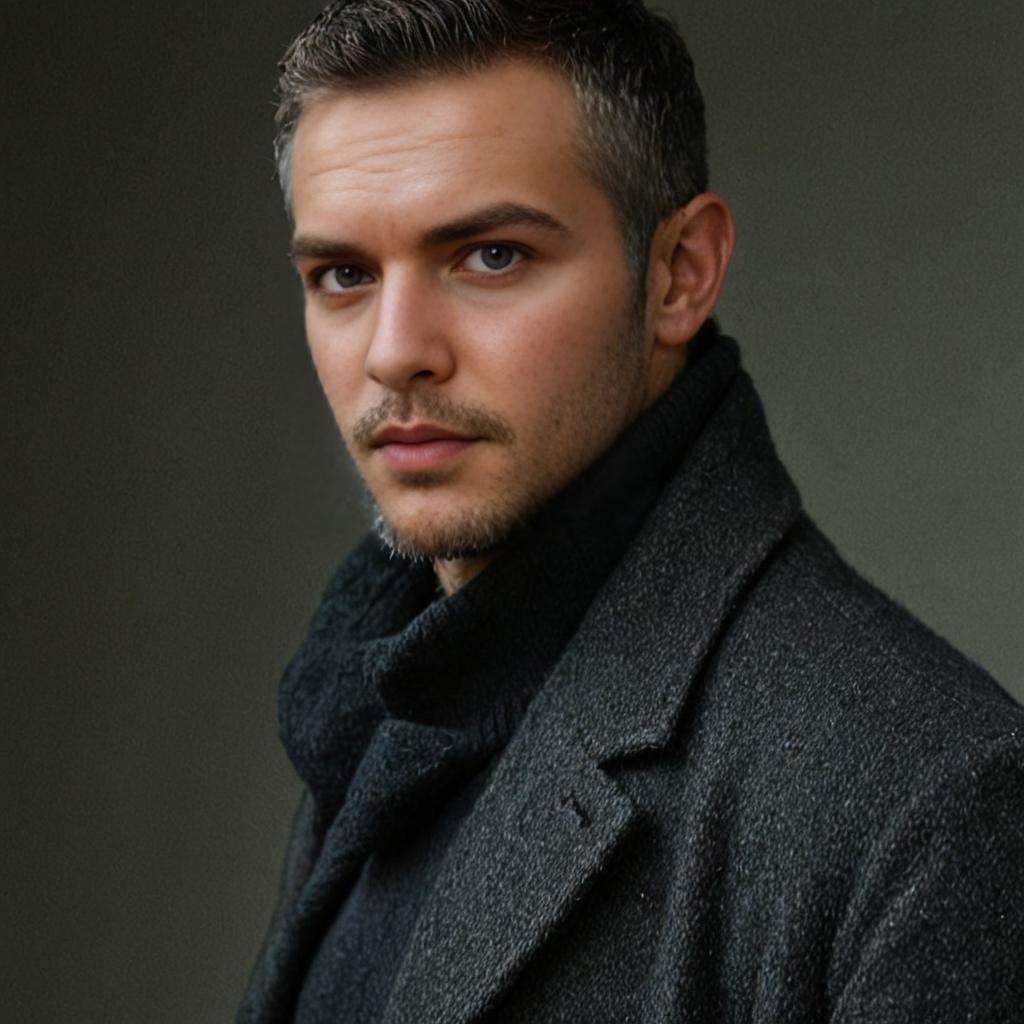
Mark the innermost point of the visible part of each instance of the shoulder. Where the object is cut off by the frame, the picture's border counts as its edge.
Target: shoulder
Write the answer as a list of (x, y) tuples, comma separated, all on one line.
[(857, 781), (827, 637), (832, 696)]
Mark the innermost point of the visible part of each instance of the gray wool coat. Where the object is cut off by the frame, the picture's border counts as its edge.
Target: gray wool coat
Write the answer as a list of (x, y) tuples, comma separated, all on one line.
[(753, 790)]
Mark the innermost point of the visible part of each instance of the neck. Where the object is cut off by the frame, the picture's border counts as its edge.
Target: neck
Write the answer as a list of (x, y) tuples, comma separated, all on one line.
[(453, 574)]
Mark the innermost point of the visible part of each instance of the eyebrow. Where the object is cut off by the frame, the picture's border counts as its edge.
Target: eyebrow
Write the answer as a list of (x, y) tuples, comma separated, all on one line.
[(502, 215), (490, 218)]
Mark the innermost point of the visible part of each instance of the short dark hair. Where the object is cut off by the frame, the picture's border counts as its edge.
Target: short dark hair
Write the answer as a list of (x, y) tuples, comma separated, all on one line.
[(642, 112)]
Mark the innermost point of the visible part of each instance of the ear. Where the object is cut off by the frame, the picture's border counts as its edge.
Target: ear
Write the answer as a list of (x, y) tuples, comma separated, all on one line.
[(689, 256)]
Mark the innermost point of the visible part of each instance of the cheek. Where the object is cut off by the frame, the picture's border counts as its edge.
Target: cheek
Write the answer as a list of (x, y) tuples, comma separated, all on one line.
[(337, 363), (527, 360), (541, 377), (553, 330)]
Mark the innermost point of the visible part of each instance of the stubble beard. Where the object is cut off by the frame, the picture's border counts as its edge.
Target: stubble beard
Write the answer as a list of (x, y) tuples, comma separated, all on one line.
[(483, 531), (486, 526)]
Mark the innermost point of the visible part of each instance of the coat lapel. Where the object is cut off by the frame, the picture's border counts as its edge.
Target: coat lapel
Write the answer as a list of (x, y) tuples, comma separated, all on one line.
[(551, 816), (650, 632), (537, 837)]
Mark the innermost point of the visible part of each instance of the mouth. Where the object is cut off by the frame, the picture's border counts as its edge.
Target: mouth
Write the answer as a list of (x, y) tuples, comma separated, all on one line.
[(421, 447)]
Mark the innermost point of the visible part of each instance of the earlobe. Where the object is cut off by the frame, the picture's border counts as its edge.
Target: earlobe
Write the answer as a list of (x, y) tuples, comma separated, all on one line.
[(691, 252)]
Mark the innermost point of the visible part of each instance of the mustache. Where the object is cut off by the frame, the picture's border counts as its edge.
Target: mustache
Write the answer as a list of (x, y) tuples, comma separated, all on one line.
[(435, 409)]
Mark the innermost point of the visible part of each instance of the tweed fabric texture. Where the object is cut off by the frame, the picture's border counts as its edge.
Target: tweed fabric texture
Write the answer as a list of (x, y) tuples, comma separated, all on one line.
[(752, 789)]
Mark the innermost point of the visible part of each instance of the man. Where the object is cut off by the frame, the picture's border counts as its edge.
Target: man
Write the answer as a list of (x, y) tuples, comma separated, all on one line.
[(596, 726)]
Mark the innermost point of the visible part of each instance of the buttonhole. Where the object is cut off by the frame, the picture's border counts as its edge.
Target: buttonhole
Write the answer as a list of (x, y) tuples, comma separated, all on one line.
[(575, 809)]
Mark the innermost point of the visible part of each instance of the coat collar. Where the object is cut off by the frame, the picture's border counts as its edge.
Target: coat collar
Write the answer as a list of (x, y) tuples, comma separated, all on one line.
[(551, 817), (629, 671)]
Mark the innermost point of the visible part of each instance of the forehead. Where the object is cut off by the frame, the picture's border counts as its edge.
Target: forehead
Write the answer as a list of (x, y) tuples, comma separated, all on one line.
[(507, 133)]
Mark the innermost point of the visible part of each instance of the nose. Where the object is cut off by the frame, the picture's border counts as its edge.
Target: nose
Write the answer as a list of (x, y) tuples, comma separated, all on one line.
[(411, 339)]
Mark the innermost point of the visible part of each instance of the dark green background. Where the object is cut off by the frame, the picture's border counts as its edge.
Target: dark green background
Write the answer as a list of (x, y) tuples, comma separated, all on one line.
[(175, 495)]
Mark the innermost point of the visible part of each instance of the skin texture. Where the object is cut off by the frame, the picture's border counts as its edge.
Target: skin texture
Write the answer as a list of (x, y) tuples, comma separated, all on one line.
[(464, 275)]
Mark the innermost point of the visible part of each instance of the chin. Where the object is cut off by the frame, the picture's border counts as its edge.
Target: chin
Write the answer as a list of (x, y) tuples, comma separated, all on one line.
[(464, 534)]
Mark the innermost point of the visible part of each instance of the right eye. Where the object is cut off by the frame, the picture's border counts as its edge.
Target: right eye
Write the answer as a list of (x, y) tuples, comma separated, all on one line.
[(342, 278)]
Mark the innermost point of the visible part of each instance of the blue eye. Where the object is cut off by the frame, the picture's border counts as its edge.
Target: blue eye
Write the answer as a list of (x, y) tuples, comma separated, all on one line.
[(335, 280), (492, 258)]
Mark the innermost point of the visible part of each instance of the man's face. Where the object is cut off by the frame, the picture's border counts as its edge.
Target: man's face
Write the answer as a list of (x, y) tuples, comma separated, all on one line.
[(469, 308)]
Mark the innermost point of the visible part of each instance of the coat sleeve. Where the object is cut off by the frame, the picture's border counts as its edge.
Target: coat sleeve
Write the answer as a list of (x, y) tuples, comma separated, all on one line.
[(303, 845), (935, 926), (300, 855)]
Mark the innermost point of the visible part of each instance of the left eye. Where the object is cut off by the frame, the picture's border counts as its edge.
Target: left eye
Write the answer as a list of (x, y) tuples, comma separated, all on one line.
[(489, 259)]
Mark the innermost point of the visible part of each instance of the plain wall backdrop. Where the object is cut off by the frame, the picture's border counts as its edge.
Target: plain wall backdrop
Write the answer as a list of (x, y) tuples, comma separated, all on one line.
[(176, 496)]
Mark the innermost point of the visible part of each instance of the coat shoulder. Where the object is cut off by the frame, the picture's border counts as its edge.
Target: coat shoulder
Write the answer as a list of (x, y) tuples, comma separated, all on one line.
[(845, 791), (826, 705), (824, 654)]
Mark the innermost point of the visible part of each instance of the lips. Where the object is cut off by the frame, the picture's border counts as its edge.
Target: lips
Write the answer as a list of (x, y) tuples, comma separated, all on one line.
[(420, 447), (423, 434)]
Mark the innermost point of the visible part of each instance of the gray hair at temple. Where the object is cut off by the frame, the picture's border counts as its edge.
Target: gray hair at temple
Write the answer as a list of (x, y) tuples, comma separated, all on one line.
[(642, 112)]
